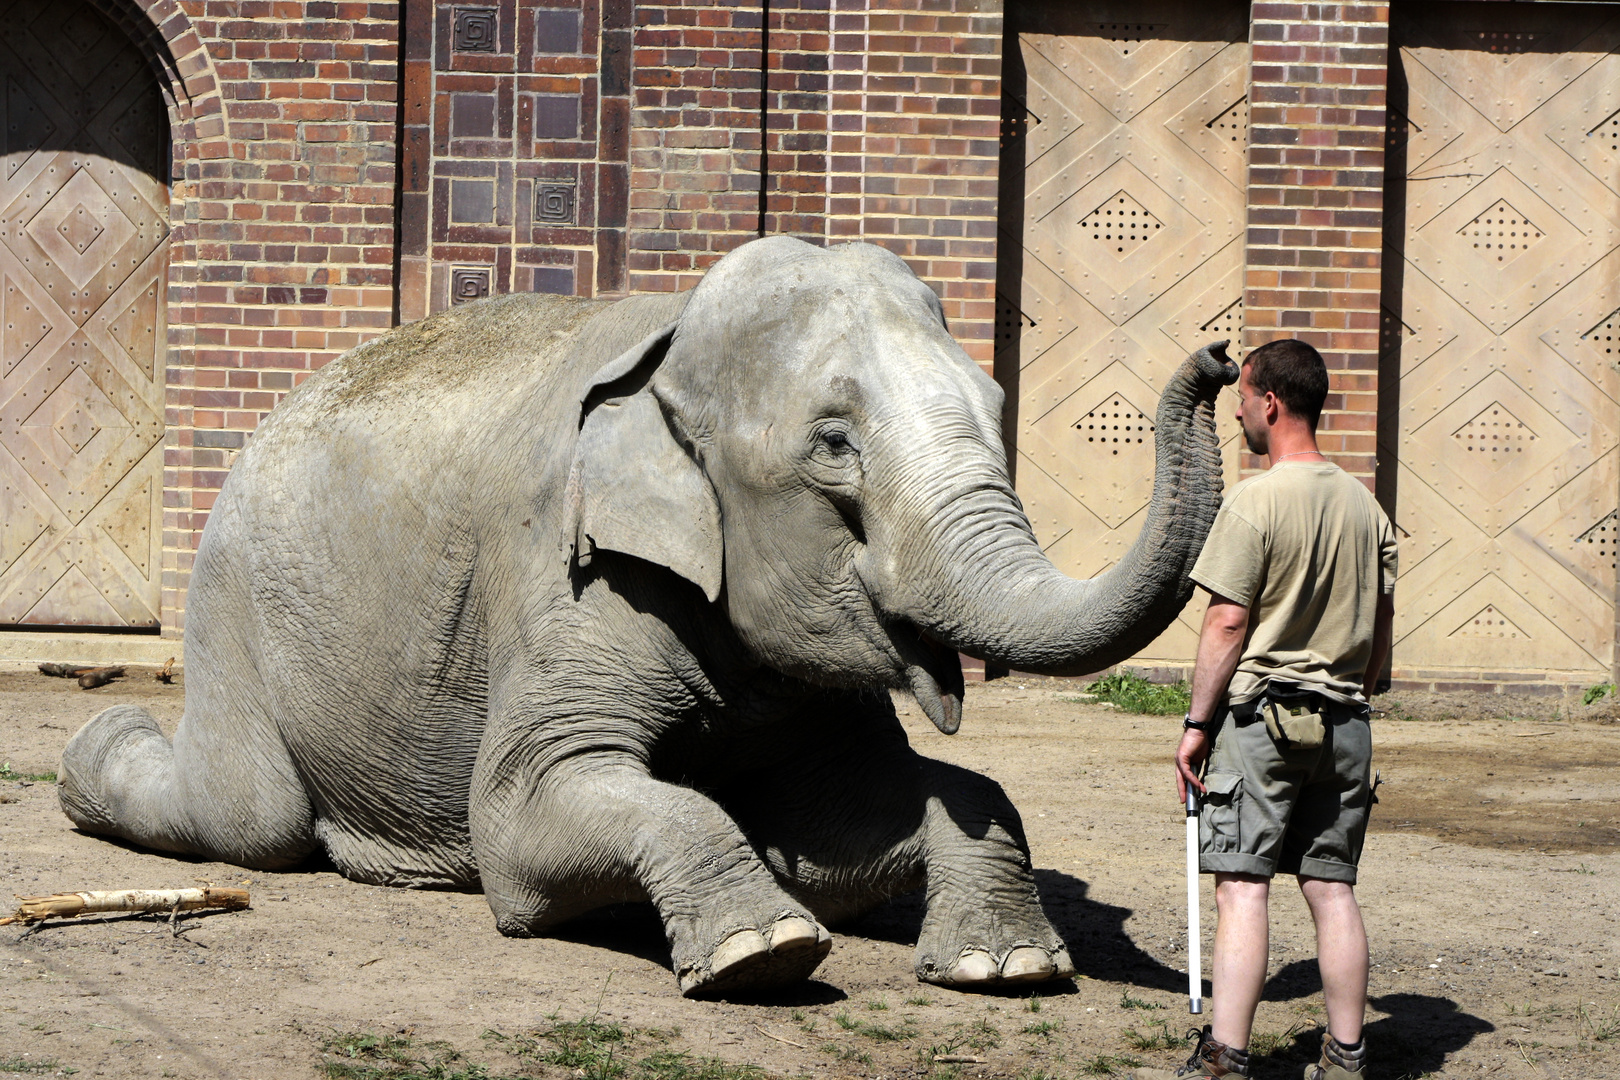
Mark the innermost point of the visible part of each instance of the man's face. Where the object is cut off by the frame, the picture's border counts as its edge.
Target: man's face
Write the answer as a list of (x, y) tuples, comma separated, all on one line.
[(1251, 414)]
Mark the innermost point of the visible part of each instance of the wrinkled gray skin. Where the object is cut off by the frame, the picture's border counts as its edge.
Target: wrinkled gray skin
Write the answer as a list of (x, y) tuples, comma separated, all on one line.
[(591, 602)]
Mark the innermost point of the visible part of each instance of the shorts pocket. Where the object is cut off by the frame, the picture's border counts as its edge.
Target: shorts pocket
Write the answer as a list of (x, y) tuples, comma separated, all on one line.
[(1218, 817)]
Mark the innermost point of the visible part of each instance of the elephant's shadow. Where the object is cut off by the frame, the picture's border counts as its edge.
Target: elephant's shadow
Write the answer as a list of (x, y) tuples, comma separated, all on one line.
[(1094, 932)]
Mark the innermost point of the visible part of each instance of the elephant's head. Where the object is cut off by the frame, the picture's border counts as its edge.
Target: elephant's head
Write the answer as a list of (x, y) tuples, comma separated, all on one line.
[(809, 445)]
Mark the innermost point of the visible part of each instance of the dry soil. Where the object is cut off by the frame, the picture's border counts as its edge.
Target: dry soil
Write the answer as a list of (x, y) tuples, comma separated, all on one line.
[(1490, 885)]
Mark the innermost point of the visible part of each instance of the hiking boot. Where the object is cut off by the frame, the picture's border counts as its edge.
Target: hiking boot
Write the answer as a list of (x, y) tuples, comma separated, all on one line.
[(1338, 1063), (1210, 1059)]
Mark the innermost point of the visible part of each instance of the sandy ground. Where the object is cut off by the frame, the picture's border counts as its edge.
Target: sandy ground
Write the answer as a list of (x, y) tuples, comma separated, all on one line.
[(1490, 883)]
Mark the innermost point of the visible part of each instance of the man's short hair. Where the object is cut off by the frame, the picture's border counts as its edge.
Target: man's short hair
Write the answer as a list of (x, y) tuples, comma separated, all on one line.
[(1294, 372)]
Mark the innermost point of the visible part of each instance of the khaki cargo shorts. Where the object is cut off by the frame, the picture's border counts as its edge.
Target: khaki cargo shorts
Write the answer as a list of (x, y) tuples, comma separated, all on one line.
[(1271, 809)]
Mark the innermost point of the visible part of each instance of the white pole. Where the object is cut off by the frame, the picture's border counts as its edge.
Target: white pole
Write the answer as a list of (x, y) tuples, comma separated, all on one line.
[(1195, 960)]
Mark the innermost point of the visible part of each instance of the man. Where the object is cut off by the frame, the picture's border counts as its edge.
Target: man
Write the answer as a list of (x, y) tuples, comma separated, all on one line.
[(1300, 568)]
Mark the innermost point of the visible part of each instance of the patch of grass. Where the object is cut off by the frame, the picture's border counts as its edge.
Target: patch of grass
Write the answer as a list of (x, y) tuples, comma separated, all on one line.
[(920, 1002), (8, 773), (26, 1065), (1132, 693), (1128, 1002), (597, 1050), (361, 1055), (1043, 1028), (877, 1006), (1106, 1064), (877, 1032), (982, 1035), (1597, 693), (674, 1065), (1033, 1003), (846, 1021), (1601, 1029), (1159, 1039), (1268, 1043)]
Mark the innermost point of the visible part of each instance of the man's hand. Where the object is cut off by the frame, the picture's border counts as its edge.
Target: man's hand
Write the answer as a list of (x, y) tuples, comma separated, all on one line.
[(1190, 755)]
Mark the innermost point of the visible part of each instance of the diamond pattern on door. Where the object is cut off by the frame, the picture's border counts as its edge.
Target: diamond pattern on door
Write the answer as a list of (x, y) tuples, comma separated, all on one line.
[(1506, 276), (83, 262), (1129, 254)]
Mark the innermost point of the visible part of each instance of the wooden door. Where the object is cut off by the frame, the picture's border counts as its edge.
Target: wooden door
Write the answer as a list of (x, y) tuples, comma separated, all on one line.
[(1502, 280), (84, 225), (1121, 251)]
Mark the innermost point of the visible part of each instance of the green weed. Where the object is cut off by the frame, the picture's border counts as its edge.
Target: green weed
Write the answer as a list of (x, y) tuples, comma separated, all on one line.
[(1597, 693), (1160, 1039), (8, 773), (877, 1006), (982, 1035), (596, 1050), (25, 1065), (1601, 1029), (1133, 693), (1128, 1002), (1033, 1004), (360, 1055), (1043, 1028), (1105, 1064), (920, 1002), (1267, 1043)]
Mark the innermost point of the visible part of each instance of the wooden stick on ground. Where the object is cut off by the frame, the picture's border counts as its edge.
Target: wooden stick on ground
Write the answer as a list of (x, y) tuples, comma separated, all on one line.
[(166, 674), (101, 676), (72, 905), (61, 670)]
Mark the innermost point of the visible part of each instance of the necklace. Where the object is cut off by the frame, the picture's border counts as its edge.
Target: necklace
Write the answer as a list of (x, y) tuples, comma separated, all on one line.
[(1297, 453)]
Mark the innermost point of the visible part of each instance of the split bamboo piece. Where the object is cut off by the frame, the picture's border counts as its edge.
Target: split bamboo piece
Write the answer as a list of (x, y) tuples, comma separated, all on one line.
[(72, 905)]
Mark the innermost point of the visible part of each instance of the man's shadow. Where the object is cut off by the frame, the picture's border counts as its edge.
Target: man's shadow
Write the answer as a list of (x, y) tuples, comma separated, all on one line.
[(1413, 1040)]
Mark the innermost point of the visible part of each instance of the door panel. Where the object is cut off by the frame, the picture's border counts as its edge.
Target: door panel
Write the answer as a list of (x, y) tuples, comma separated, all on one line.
[(1502, 270), (1122, 235), (84, 226)]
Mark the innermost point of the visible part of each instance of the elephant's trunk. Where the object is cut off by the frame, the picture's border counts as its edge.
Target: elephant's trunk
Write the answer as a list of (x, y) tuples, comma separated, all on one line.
[(992, 593)]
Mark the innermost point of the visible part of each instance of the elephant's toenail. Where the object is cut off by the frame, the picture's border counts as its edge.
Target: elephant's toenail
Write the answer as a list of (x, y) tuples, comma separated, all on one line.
[(975, 966), (1027, 964)]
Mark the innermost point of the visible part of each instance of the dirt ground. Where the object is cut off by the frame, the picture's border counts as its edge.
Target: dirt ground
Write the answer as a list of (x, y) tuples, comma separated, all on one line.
[(1490, 884)]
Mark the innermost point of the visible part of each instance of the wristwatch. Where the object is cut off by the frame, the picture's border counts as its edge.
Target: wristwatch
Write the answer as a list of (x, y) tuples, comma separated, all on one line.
[(1189, 724)]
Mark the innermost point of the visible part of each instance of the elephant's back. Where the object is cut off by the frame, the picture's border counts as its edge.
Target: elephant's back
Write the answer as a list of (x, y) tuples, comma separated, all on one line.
[(343, 586)]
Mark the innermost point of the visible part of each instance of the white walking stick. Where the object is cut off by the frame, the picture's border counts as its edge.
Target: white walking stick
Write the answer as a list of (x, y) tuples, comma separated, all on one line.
[(1195, 961)]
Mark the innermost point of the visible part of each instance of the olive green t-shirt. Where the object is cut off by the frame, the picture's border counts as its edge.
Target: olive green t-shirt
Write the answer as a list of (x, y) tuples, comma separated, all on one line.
[(1308, 549)]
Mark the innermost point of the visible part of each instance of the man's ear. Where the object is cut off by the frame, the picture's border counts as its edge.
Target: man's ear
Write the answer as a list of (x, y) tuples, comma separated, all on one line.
[(634, 488)]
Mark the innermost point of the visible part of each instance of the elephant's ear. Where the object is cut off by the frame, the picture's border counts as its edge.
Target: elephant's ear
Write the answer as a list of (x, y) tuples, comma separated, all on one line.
[(634, 488)]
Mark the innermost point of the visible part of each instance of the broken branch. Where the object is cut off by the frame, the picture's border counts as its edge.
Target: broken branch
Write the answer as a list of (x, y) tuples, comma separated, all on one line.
[(72, 905), (58, 669), (165, 674), (101, 676)]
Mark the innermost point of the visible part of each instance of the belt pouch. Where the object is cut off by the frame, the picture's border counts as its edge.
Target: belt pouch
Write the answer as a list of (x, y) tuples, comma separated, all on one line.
[(1296, 728)]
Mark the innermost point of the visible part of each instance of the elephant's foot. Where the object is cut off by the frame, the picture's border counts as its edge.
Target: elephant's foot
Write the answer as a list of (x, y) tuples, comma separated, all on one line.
[(786, 951), (975, 968)]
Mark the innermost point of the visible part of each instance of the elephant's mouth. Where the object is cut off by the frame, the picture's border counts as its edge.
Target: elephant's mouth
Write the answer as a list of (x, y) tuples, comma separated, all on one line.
[(934, 673)]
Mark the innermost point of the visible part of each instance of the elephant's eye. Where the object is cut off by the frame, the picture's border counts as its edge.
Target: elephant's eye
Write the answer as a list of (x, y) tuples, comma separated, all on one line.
[(834, 448)]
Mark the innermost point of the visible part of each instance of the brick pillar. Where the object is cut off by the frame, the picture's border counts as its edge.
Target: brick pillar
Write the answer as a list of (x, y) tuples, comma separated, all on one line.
[(1316, 158), (914, 156)]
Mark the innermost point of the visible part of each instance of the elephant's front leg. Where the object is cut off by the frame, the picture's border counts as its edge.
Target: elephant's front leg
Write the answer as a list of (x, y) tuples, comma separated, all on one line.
[(861, 817), (984, 923), (597, 828)]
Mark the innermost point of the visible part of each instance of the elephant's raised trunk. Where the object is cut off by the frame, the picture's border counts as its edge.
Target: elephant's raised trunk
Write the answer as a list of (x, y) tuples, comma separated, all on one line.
[(998, 597)]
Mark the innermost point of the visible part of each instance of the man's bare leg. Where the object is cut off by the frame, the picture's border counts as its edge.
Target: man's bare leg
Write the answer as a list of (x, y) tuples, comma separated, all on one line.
[(1341, 954), (1242, 943)]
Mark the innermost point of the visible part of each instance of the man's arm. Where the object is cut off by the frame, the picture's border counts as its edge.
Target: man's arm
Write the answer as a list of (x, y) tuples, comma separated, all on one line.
[(1220, 646), (1383, 630)]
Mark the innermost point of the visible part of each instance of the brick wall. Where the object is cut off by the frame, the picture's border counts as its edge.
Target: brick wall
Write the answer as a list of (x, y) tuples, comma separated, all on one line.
[(913, 161), (282, 120), (1316, 160)]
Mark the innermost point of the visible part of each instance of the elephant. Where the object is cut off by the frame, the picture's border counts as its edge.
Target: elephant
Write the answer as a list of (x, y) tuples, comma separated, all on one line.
[(585, 601)]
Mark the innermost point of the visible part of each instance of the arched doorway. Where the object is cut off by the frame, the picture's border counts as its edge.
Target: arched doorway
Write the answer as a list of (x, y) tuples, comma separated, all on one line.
[(84, 237)]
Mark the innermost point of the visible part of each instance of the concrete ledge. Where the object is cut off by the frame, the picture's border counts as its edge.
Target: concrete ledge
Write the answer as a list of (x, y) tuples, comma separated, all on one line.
[(21, 646)]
